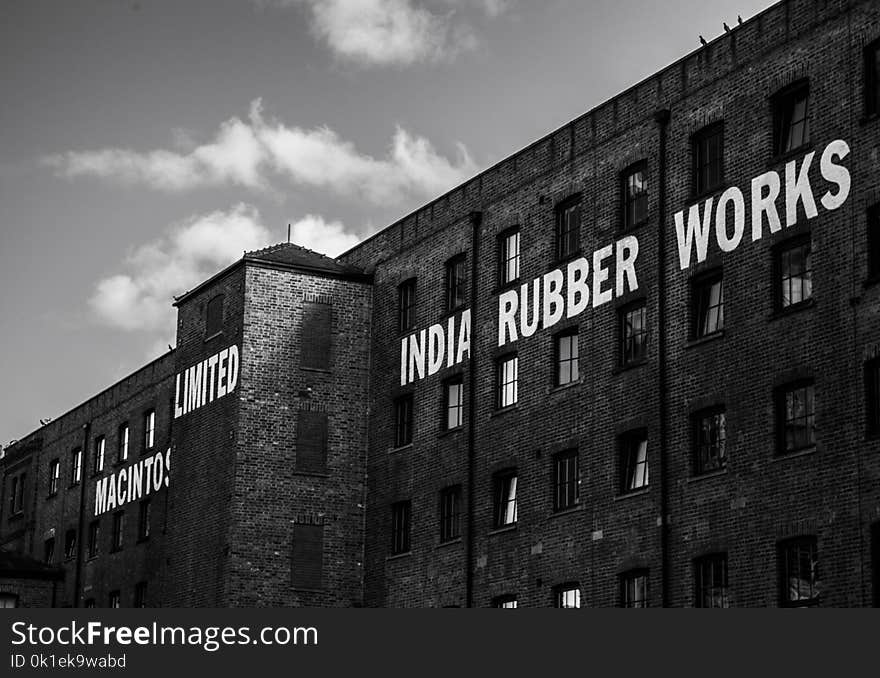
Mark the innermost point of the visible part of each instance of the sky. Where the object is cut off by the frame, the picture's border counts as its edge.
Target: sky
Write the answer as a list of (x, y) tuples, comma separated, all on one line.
[(146, 144)]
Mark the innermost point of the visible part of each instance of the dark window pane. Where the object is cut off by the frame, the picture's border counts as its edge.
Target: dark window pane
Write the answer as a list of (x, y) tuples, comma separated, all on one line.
[(311, 441), (214, 316), (504, 499), (710, 574), (634, 473), (797, 417), (799, 572), (403, 421), (456, 283), (568, 229), (710, 441), (634, 589), (874, 242), (566, 480), (450, 514), (406, 299), (400, 527), (316, 335), (791, 112), (708, 300), (633, 334), (635, 196), (872, 395), (795, 274), (708, 150), (307, 558)]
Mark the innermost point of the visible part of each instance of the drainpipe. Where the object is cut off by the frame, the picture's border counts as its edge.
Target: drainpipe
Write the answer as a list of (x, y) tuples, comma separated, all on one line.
[(80, 528), (476, 219), (662, 117)]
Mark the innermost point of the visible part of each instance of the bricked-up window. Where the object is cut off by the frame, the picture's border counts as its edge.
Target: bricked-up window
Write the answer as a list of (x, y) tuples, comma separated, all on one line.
[(140, 594), (16, 494), (567, 596), (710, 581), (450, 514), (794, 273), (214, 316), (633, 464), (307, 559), (94, 537), (54, 475), (49, 551), (800, 585), (508, 257), (796, 417), (635, 195), (504, 499), (122, 449), (98, 458), (710, 440), (76, 458), (114, 599), (456, 282), (566, 357), (707, 301), (401, 512), (634, 588), (506, 381), (872, 78), (149, 429), (872, 396), (311, 441), (144, 520), (791, 117), (69, 544), (406, 305), (507, 602), (708, 158), (874, 242), (633, 322), (453, 403), (875, 562), (403, 421), (118, 530), (316, 335), (568, 228), (566, 480)]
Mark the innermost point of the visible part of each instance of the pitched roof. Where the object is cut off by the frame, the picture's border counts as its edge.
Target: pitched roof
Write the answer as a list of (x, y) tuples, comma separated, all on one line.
[(290, 254)]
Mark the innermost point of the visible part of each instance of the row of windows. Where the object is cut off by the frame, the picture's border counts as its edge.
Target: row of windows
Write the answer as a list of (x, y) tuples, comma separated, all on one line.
[(114, 598), (94, 535)]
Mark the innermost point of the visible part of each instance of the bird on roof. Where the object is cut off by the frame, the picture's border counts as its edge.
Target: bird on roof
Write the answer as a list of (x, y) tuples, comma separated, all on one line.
[(726, 27), (703, 41), (739, 19)]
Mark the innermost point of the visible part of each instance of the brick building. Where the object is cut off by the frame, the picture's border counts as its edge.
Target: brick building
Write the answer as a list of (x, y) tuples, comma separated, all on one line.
[(636, 363)]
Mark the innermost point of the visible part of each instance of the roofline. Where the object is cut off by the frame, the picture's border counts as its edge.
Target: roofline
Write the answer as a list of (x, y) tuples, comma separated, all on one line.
[(202, 285)]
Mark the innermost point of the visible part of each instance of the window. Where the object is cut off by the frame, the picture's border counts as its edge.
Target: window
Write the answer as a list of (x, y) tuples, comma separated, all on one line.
[(874, 242), (567, 596), (140, 594), (144, 520), (568, 228), (507, 602), (76, 458), (69, 544), (122, 450), (118, 530), (98, 461), (567, 357), (635, 195), (89, 604), (400, 527), (504, 494), (456, 282), (113, 600), (799, 572), (16, 494), (791, 118), (710, 441), (307, 559), (214, 316), (149, 429), (94, 536), (634, 589), (54, 476), (49, 551), (872, 396), (403, 421), (794, 274), (453, 407), (311, 441), (710, 581), (707, 293), (872, 78), (506, 380), (8, 600), (633, 461), (566, 480), (316, 339), (406, 305), (633, 334), (708, 159), (450, 514), (508, 257), (796, 416)]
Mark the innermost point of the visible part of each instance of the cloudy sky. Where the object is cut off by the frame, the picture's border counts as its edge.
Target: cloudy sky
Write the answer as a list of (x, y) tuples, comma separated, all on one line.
[(145, 144)]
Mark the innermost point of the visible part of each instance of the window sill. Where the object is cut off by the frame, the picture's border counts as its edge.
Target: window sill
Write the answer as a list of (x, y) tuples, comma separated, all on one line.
[(796, 454), (445, 433), (707, 339), (506, 287), (627, 229), (142, 540), (792, 310), (641, 492), (503, 411), (572, 510), (72, 485), (787, 156), (399, 556), (561, 262), (566, 387), (402, 448), (706, 194), (709, 475), (120, 462), (448, 313), (51, 495), (620, 369), (213, 336), (451, 542), (503, 530), (315, 370)]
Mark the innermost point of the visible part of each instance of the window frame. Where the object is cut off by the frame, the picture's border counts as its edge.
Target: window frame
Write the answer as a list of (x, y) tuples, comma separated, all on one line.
[(701, 160), (49, 550), (406, 305), (123, 442), (93, 546), (700, 463), (401, 527), (449, 407), (566, 492), (629, 220), (782, 422), (560, 592), (54, 476), (704, 592), (16, 494), (628, 584), (624, 360), (70, 539), (811, 544), (76, 460), (504, 495), (779, 252), (404, 420), (117, 539), (139, 599), (505, 258), (702, 307), (629, 459), (455, 283), (567, 238), (212, 321), (114, 599), (784, 103), (144, 518), (570, 366), (149, 421), (99, 450), (503, 387), (450, 514)]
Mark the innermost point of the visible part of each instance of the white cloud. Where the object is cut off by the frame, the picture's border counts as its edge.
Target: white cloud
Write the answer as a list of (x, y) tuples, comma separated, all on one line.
[(247, 154), (326, 237)]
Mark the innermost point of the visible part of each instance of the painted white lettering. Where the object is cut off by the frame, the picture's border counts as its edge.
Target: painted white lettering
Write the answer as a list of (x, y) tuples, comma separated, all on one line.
[(735, 196), (464, 337), (836, 174), (436, 349), (508, 304), (417, 356), (797, 189), (178, 409), (554, 303), (232, 378), (625, 270), (577, 291), (600, 275), (221, 372), (404, 343), (212, 368), (765, 204), (527, 328), (697, 233)]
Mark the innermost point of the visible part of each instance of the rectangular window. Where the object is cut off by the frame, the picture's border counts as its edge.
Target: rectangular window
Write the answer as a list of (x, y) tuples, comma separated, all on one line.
[(633, 334), (311, 441), (140, 594), (799, 572), (504, 494), (307, 559), (54, 476), (504, 602), (708, 159), (76, 466), (149, 429), (791, 118), (634, 589), (144, 520), (316, 336), (400, 527), (49, 551), (710, 581), (566, 480), (94, 536), (16, 494), (453, 403), (508, 257), (872, 396), (567, 596), (403, 421), (456, 283), (113, 600), (707, 299), (872, 78), (874, 242), (118, 530), (635, 195), (98, 460), (506, 382), (69, 544), (214, 316), (450, 514), (633, 461), (567, 371), (710, 441), (796, 417), (568, 228), (406, 305), (122, 450), (89, 604), (794, 274)]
